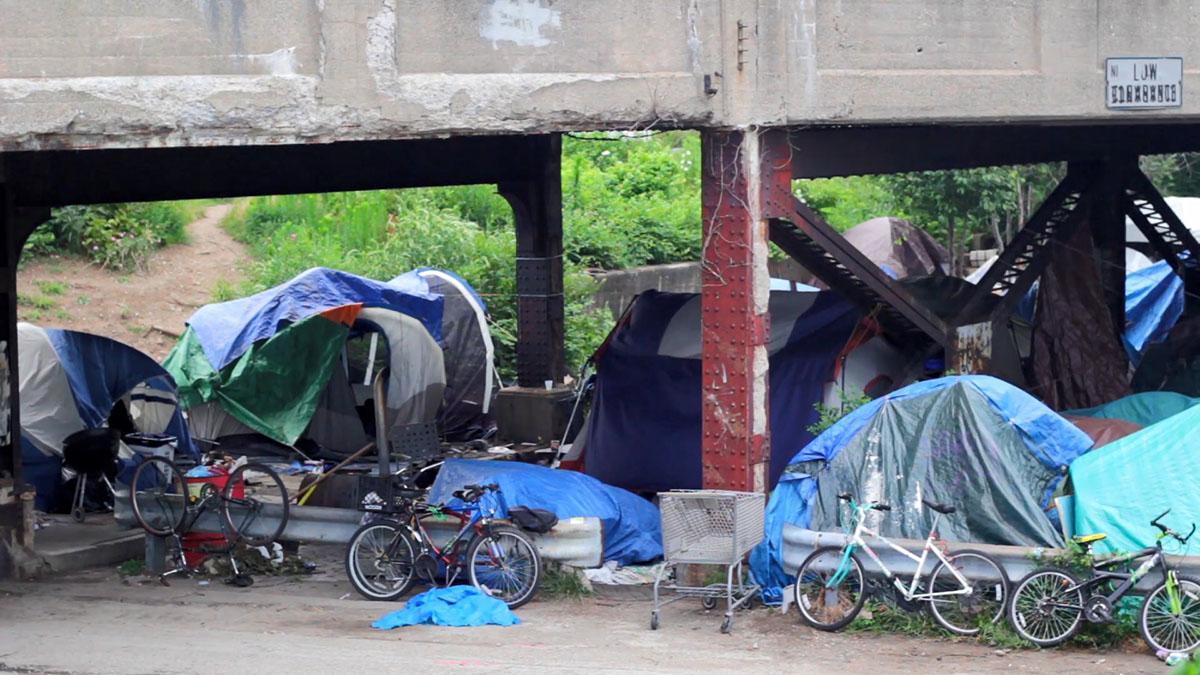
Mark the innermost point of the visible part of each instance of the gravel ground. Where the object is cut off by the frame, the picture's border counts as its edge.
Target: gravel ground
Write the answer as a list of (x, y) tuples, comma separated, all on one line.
[(96, 622)]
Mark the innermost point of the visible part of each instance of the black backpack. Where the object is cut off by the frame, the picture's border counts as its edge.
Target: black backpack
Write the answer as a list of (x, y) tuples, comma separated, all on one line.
[(540, 521)]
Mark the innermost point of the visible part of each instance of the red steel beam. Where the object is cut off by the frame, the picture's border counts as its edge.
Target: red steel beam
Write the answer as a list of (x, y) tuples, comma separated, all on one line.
[(735, 325)]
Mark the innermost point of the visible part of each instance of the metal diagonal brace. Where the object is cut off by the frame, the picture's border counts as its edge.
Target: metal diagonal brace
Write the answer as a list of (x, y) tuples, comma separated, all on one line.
[(1024, 259), (848, 271), (1169, 237)]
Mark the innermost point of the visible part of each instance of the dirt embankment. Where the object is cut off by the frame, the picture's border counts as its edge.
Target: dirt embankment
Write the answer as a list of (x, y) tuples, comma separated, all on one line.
[(144, 309)]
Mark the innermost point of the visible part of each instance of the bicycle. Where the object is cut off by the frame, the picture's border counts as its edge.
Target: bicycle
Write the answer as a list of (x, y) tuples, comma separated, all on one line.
[(386, 556), (831, 586), (165, 506), (1050, 604)]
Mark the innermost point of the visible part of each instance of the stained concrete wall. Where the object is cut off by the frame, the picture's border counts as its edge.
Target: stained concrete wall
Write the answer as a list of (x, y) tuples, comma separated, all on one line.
[(128, 73)]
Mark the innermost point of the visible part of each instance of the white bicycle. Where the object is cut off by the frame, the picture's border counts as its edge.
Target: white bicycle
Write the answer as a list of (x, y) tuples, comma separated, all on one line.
[(965, 590)]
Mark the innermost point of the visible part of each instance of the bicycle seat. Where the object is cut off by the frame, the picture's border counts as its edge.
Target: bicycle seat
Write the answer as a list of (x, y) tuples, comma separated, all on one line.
[(940, 508), (1089, 538)]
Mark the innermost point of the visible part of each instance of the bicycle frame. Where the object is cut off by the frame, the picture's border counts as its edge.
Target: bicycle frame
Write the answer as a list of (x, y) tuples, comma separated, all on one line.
[(1102, 573), (910, 591)]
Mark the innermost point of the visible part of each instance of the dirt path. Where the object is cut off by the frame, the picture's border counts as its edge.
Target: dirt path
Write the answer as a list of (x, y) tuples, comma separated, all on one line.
[(133, 307), (320, 625)]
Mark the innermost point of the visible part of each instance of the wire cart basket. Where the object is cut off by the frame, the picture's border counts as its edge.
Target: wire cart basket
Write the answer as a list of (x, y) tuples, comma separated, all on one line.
[(708, 527)]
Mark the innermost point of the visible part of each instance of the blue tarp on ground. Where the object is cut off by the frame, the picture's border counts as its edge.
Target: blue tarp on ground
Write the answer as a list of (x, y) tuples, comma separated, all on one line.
[(1051, 441), (645, 425), (632, 532), (1143, 409), (227, 329), (454, 606), (1153, 305), (1121, 487)]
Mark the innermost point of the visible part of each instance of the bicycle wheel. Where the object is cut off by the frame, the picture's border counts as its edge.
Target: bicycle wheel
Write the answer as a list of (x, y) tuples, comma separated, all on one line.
[(966, 613), (254, 504), (1047, 607), (158, 496), (825, 605), (379, 561), (505, 564), (1172, 624)]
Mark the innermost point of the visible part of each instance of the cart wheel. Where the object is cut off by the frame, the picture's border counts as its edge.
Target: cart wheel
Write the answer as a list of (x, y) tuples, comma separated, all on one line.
[(653, 620), (709, 603), (77, 515), (727, 625), (240, 580)]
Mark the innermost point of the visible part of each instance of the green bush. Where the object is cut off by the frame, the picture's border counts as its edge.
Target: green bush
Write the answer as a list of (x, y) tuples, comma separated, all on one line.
[(117, 236)]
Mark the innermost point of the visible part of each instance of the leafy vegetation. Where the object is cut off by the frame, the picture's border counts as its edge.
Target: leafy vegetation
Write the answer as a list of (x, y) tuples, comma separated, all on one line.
[(560, 582), (831, 414), (116, 236)]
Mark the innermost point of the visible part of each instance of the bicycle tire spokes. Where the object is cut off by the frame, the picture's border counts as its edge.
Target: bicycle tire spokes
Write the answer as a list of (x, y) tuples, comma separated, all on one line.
[(1171, 616), (506, 569)]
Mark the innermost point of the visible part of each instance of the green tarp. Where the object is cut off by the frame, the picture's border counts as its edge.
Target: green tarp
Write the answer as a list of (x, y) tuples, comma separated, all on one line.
[(274, 386), (1144, 409), (1121, 487)]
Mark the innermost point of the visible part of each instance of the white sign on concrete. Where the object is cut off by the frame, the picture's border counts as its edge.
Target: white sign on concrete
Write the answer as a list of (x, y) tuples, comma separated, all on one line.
[(1139, 83)]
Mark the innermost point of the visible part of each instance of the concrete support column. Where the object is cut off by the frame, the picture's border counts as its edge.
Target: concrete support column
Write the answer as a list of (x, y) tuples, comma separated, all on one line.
[(537, 212), (735, 325)]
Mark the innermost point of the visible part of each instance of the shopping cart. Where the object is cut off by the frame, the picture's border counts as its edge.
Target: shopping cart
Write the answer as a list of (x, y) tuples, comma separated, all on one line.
[(708, 527)]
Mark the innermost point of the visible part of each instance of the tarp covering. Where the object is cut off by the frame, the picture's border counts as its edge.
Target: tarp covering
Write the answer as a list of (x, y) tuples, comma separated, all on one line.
[(471, 380), (1143, 409), (1153, 305), (268, 360), (1102, 430), (70, 381), (644, 430), (225, 330), (274, 386), (1120, 488), (454, 606), (632, 532), (1078, 360), (972, 441), (899, 247), (1174, 364)]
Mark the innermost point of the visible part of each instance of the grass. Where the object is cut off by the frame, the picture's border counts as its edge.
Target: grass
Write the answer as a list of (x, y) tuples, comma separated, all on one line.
[(83, 300), (133, 567), (136, 330), (50, 287), (40, 302), (559, 582), (223, 290), (62, 315), (32, 315), (124, 312)]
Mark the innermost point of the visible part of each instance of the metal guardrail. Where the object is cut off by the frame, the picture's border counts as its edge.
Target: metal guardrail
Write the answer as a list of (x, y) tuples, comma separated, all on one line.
[(1017, 561), (578, 542)]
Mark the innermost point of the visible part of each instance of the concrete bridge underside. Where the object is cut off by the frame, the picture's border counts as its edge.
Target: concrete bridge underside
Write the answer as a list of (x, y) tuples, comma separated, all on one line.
[(114, 100)]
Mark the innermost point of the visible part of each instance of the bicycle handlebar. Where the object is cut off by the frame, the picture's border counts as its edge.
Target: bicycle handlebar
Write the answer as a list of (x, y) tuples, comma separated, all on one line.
[(1172, 533), (878, 506)]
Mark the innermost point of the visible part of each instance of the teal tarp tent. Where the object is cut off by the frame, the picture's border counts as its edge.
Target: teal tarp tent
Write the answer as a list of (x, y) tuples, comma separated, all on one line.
[(1145, 409), (1121, 487)]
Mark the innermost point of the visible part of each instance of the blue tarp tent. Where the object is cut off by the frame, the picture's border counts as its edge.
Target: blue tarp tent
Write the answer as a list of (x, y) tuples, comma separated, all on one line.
[(1153, 305), (632, 532), (226, 330), (644, 430), (1121, 487), (70, 381), (972, 441)]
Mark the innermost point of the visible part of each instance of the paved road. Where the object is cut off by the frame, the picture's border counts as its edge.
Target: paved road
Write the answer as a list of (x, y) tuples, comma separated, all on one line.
[(93, 623)]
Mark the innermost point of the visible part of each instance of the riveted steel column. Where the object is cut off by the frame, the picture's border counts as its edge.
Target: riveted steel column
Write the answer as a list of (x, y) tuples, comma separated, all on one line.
[(735, 325), (537, 214)]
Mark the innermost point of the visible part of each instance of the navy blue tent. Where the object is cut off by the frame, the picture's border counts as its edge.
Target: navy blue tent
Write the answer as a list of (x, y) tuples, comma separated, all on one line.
[(972, 441), (644, 430), (70, 381)]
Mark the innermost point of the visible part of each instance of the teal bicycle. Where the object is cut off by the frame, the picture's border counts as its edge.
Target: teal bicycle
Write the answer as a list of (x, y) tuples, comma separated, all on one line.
[(965, 590)]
